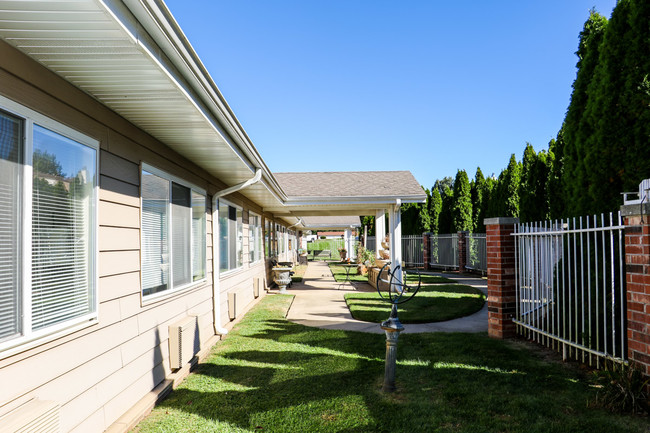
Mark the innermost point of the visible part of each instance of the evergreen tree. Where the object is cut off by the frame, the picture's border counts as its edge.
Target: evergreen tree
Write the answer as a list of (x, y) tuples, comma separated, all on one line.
[(533, 200), (441, 184), (608, 127), (410, 217), (369, 220), (462, 203), (506, 197), (608, 122), (554, 181), (478, 187), (435, 207), (489, 193), (578, 126), (445, 220), (425, 216)]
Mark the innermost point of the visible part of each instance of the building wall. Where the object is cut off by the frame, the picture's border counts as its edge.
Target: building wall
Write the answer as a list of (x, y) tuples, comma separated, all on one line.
[(99, 372)]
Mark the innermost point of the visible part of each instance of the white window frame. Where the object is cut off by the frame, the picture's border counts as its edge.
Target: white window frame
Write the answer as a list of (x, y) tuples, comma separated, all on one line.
[(258, 230), (31, 338), (172, 291), (220, 202)]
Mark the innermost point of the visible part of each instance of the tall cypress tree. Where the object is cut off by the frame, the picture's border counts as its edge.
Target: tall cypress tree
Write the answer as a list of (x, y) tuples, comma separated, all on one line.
[(489, 197), (478, 214), (527, 199), (556, 206), (435, 207), (445, 221), (578, 125), (607, 116), (507, 199), (462, 203), (533, 199)]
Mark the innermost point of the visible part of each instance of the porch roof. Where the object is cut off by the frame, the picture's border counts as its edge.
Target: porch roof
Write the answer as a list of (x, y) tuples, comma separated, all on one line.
[(330, 222)]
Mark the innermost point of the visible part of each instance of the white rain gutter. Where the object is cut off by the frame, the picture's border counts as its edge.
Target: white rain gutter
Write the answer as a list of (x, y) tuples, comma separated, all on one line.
[(216, 280)]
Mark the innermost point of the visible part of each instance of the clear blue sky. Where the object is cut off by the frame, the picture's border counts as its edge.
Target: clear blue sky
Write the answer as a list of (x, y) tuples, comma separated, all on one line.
[(426, 86)]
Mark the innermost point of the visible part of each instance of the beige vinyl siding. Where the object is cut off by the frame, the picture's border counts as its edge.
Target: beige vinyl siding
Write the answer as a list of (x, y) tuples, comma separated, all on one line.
[(99, 372)]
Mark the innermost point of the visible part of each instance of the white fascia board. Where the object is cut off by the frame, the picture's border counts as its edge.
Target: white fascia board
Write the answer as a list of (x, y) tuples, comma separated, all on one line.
[(146, 31), (152, 27), (168, 34)]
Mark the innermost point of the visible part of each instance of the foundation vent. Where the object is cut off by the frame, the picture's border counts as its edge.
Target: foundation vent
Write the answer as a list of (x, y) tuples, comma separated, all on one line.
[(183, 342), (232, 306), (35, 416), (257, 283)]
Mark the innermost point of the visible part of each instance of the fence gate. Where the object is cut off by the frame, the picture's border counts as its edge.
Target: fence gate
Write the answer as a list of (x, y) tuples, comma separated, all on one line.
[(476, 258), (443, 250), (570, 278)]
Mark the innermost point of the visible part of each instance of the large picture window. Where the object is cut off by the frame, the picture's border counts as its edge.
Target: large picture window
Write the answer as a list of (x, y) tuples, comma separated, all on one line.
[(267, 238), (173, 232), (48, 226), (231, 237), (254, 237)]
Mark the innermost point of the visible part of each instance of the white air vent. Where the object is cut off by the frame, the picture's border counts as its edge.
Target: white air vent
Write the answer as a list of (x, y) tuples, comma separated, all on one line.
[(37, 416), (643, 194), (183, 342)]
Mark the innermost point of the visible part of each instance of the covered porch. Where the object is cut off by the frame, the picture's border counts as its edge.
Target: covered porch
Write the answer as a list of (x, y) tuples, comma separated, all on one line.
[(324, 199)]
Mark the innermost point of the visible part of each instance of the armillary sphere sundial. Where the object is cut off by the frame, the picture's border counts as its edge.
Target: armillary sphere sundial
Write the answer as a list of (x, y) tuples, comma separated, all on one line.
[(393, 289)]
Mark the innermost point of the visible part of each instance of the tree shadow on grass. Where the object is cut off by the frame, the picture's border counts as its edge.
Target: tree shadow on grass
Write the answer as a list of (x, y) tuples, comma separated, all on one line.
[(277, 376), (297, 392)]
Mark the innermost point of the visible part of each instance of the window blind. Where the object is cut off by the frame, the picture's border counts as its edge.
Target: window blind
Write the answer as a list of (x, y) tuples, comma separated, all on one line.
[(155, 254), (63, 197), (198, 236), (181, 234), (11, 131)]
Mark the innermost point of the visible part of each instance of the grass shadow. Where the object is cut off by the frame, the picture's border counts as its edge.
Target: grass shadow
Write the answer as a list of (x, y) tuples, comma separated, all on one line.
[(274, 376)]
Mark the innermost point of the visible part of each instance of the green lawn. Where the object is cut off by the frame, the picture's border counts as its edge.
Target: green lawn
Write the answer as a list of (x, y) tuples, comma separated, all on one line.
[(433, 303), (270, 375), (412, 277)]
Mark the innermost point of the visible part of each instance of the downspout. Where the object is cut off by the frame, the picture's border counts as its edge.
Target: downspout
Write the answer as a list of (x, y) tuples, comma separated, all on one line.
[(216, 281), (240, 186)]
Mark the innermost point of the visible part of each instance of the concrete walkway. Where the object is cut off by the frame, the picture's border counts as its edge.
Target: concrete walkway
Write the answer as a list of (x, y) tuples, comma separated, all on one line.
[(319, 303)]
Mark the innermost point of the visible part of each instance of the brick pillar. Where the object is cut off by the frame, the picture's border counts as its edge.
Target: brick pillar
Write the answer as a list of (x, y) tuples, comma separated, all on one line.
[(501, 276), (462, 251), (426, 247), (637, 268)]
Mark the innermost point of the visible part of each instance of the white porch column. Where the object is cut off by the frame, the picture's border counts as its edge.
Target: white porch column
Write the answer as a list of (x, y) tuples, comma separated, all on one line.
[(380, 230), (347, 243), (395, 220)]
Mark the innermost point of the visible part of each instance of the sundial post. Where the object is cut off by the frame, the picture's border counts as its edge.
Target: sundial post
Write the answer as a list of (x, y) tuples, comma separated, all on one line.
[(396, 294)]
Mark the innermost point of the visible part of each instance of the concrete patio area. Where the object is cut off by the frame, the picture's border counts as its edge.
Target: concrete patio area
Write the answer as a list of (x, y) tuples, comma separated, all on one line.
[(319, 303)]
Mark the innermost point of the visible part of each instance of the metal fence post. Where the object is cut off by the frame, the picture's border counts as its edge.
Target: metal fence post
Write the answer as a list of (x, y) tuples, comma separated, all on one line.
[(636, 219), (501, 276)]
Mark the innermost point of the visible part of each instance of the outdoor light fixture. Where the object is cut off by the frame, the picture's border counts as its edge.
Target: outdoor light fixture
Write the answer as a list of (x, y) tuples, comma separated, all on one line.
[(397, 292)]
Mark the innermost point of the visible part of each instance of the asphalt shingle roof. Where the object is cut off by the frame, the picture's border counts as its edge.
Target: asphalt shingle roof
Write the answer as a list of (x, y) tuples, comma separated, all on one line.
[(350, 184)]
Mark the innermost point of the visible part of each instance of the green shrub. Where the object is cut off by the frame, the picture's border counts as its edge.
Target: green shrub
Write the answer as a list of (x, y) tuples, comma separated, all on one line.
[(622, 388)]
